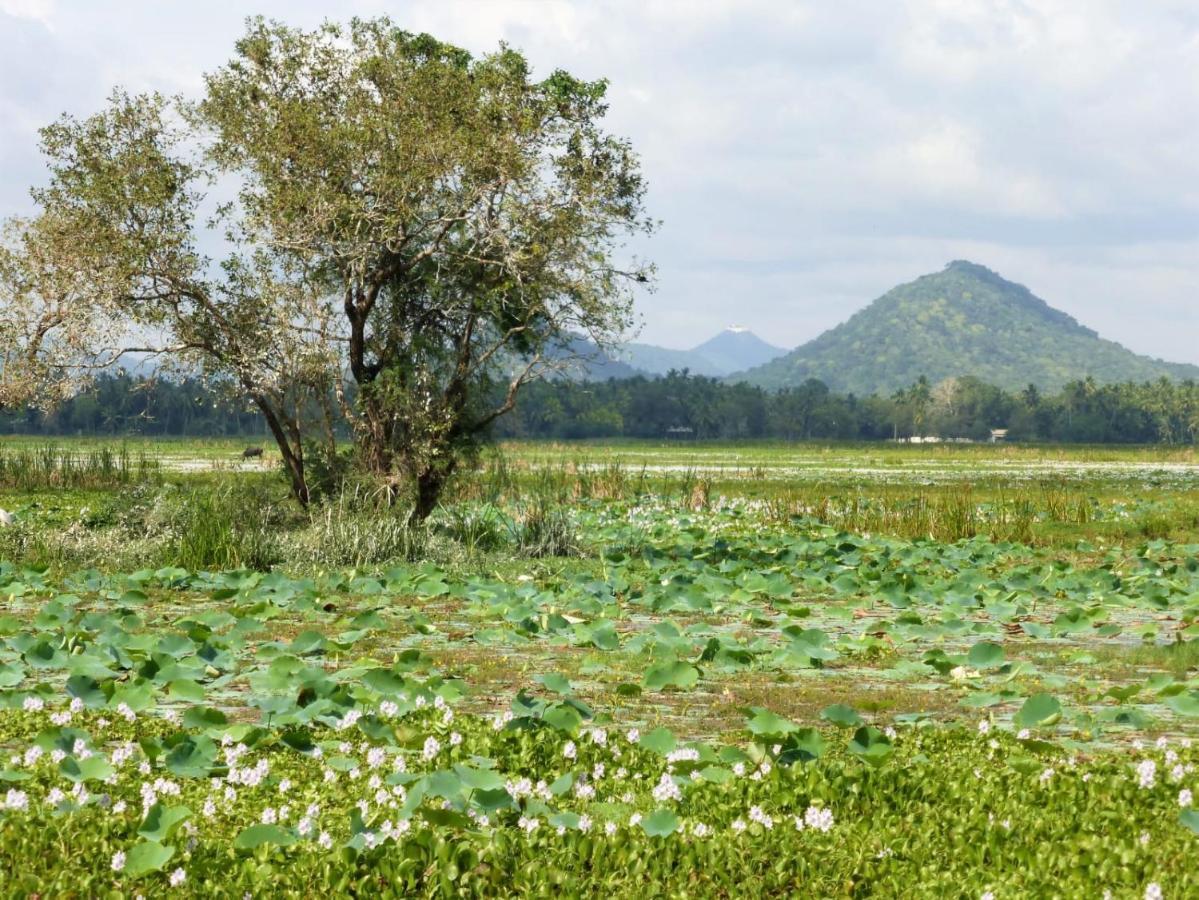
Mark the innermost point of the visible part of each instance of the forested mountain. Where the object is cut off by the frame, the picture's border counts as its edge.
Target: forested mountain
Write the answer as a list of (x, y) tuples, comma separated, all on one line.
[(963, 321)]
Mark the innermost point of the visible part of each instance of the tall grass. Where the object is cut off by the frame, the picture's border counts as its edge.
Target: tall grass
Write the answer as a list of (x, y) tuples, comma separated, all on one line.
[(234, 525), (358, 528), (50, 466)]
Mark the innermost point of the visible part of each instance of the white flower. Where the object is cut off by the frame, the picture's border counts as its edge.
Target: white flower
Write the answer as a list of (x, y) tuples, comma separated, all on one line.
[(1153, 891), (17, 800), (178, 877), (529, 825), (1144, 839), (1023, 734), (666, 789), (1184, 797), (633, 735), (375, 757), (1146, 773), (1046, 776), (118, 860), (324, 841), (757, 815), (610, 828), (455, 739), (584, 823), (119, 807), (55, 797), (569, 750), (432, 747), (388, 709), (60, 718), (984, 727), (269, 816), (500, 720), (634, 820), (33, 704), (987, 895), (739, 769), (125, 712), (819, 818), (738, 826)]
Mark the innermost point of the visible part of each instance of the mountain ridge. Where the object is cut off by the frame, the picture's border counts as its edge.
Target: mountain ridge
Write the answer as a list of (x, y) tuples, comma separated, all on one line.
[(732, 350)]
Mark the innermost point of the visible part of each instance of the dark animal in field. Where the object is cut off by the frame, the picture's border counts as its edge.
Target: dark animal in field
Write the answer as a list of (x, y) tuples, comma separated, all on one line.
[(251, 452)]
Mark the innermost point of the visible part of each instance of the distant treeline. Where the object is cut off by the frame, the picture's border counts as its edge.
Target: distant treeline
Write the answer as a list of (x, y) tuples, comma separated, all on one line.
[(685, 406), (124, 404)]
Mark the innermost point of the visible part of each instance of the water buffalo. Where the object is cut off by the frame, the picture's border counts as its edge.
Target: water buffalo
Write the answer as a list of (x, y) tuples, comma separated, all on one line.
[(251, 452)]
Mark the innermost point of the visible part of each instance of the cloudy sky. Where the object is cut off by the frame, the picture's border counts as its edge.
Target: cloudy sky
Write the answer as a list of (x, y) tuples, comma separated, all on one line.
[(803, 156)]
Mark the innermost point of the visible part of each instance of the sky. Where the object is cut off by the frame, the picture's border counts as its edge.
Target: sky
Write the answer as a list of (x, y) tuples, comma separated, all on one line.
[(803, 157)]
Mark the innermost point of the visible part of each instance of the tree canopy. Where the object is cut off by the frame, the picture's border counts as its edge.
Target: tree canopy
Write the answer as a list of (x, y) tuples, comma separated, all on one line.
[(402, 218)]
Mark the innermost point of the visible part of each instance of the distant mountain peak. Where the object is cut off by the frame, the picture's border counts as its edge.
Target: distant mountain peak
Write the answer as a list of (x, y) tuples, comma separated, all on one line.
[(734, 349), (965, 265), (964, 320)]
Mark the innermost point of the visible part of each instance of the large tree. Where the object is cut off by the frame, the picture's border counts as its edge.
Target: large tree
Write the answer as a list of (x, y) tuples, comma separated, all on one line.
[(431, 228)]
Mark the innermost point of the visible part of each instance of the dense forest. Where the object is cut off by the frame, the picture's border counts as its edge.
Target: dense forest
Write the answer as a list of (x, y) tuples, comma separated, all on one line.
[(684, 406)]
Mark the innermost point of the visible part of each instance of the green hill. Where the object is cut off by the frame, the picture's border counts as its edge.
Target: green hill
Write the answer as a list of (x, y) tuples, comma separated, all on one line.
[(964, 320)]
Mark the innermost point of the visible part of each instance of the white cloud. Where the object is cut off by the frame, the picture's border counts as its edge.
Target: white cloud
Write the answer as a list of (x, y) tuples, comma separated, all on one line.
[(41, 11)]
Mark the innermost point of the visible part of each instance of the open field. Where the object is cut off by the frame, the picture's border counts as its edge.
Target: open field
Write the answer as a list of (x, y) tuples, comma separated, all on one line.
[(730, 670)]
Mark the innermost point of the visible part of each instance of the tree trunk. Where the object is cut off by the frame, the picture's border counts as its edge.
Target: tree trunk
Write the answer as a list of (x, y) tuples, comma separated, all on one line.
[(430, 483), (293, 461)]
